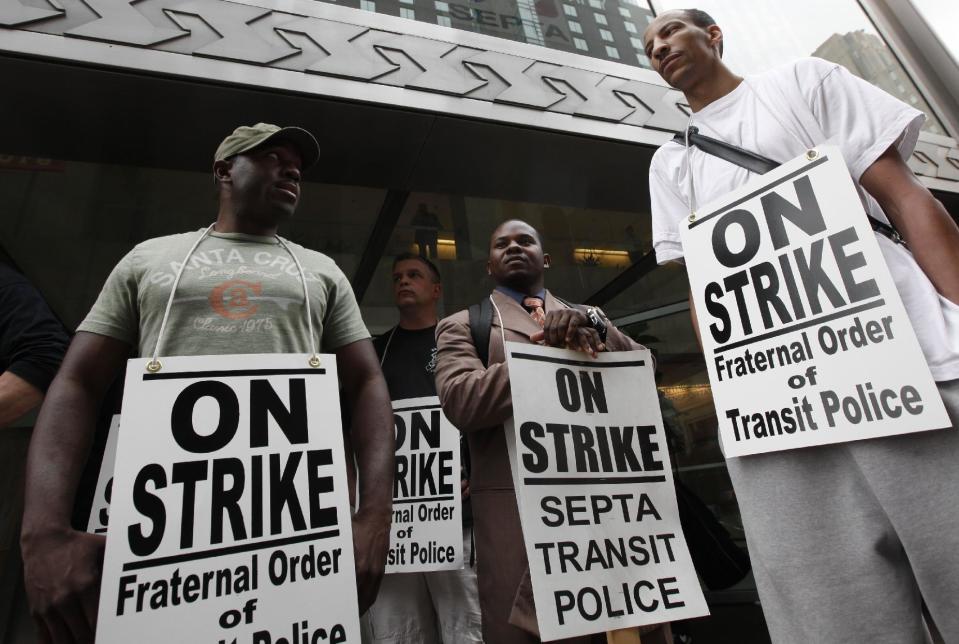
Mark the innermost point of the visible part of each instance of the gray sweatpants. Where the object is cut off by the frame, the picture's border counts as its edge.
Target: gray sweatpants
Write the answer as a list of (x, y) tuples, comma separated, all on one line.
[(847, 540)]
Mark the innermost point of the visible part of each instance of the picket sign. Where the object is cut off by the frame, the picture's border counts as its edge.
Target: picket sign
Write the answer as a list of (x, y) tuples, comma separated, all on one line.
[(806, 338), (230, 517), (595, 493), (427, 530), (100, 510)]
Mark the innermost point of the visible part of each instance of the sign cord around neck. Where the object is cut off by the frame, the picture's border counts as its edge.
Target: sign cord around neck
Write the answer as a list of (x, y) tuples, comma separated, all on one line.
[(314, 356), (154, 365), (502, 332), (690, 192), (809, 149), (811, 153)]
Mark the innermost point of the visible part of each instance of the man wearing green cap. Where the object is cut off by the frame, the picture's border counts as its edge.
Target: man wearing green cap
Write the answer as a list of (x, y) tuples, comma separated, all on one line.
[(241, 291)]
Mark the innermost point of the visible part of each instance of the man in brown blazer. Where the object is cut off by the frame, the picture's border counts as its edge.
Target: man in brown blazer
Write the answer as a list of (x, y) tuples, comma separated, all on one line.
[(477, 400)]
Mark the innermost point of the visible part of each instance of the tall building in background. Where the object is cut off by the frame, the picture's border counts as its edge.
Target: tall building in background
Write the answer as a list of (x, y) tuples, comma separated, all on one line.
[(610, 29), (868, 57)]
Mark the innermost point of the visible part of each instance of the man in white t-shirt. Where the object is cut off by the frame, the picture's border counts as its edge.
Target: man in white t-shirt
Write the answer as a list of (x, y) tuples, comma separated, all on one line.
[(846, 540)]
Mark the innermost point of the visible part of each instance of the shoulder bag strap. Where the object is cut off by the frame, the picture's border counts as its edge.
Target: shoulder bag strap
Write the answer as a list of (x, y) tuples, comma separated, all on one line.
[(758, 164)]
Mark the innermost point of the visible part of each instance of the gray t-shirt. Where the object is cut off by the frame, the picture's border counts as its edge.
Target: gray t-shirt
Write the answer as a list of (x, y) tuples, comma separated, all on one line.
[(238, 294)]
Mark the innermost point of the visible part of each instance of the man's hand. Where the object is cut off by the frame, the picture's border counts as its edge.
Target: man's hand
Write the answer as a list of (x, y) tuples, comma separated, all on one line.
[(62, 566), (62, 576), (569, 328), (371, 543)]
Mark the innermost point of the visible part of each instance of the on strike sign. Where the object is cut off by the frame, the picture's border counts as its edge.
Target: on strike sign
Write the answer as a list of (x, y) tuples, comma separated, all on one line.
[(427, 531), (230, 519), (100, 510), (595, 493), (806, 339)]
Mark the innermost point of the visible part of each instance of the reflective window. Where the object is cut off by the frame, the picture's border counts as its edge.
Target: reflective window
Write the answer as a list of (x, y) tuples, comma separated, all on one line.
[(113, 207), (612, 52), (761, 35), (586, 246), (580, 44), (547, 23), (444, 21), (533, 35), (606, 35)]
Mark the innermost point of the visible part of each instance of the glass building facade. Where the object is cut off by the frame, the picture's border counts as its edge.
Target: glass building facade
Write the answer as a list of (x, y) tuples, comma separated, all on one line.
[(430, 139)]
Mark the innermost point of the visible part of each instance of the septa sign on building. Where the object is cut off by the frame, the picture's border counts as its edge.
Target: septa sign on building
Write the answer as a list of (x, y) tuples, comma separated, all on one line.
[(230, 517), (427, 530), (595, 492), (806, 339)]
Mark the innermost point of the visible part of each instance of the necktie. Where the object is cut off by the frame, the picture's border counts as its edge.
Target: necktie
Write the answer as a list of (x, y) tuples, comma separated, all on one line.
[(535, 307)]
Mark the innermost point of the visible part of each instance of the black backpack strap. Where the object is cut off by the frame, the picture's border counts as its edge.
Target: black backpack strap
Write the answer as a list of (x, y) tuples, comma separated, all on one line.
[(758, 164), (481, 325)]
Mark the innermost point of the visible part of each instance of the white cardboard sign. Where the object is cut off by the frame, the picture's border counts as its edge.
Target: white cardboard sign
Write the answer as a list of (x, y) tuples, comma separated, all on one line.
[(805, 336), (427, 530), (230, 518), (100, 510), (595, 492)]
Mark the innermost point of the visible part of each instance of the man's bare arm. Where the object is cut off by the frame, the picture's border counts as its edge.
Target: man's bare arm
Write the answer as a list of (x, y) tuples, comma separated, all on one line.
[(374, 443), (17, 397), (61, 565), (921, 219)]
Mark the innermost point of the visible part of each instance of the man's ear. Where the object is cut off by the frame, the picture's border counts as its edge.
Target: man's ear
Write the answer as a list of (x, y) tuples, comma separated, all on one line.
[(489, 269), (715, 38), (221, 171)]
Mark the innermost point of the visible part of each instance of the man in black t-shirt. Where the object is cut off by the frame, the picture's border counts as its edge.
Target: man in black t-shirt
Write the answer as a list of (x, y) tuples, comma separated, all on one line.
[(32, 344), (436, 606)]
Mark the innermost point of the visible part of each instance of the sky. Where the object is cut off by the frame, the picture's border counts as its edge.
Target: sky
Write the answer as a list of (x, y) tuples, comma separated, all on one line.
[(760, 34)]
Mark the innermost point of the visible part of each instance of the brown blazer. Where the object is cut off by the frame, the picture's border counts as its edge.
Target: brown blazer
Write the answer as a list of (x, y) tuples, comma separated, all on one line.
[(477, 400)]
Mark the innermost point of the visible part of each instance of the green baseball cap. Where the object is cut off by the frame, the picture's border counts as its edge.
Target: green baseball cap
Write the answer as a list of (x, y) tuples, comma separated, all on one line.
[(245, 138)]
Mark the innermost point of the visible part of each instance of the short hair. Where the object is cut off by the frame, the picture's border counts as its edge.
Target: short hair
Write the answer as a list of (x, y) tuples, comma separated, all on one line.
[(702, 20), (539, 238), (434, 272)]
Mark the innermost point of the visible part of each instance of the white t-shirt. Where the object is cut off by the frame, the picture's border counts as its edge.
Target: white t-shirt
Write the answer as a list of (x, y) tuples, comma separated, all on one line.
[(815, 102)]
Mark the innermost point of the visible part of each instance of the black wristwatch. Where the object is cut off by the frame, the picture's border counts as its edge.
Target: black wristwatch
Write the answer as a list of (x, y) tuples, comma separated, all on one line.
[(595, 317)]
